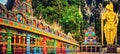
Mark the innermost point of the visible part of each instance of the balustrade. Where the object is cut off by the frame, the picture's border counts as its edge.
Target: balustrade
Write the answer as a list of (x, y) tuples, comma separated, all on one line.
[(18, 29)]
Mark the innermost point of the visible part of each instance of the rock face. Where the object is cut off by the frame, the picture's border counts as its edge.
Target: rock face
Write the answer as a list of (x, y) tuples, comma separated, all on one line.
[(92, 8)]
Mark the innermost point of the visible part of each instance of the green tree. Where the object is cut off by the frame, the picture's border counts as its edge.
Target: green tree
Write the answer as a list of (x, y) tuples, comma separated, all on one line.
[(73, 22), (71, 19), (51, 10), (67, 13)]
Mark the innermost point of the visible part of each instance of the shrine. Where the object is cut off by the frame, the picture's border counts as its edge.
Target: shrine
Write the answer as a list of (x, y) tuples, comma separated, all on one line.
[(90, 43)]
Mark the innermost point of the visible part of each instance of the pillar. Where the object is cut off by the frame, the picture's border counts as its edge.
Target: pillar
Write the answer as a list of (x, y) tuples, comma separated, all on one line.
[(9, 50), (40, 51), (100, 48), (24, 44), (23, 40), (34, 50), (3, 47), (91, 48), (68, 49), (44, 46), (14, 38), (81, 48), (55, 46), (95, 48), (19, 39), (28, 43), (24, 35), (24, 47), (14, 42), (37, 46), (19, 48), (86, 49), (37, 41)]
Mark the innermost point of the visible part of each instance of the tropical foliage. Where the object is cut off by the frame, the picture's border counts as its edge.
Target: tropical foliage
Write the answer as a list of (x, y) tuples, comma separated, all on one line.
[(74, 15), (66, 13)]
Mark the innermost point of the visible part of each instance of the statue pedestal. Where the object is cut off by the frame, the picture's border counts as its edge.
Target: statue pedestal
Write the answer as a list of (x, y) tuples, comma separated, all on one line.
[(111, 49)]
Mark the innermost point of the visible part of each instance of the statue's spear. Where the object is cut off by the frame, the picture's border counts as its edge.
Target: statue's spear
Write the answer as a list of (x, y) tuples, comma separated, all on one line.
[(102, 30), (116, 31), (102, 24)]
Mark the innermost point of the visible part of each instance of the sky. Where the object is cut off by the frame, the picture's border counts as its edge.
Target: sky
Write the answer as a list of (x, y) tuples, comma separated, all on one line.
[(3, 1)]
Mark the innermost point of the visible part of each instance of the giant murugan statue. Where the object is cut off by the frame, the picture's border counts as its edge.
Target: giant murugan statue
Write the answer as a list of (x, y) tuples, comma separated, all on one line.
[(109, 17)]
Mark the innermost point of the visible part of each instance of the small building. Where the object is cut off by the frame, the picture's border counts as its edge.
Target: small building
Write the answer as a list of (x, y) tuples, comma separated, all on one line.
[(90, 43)]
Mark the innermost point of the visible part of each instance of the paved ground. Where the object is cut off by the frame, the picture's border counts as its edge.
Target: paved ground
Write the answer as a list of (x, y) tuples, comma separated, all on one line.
[(95, 53)]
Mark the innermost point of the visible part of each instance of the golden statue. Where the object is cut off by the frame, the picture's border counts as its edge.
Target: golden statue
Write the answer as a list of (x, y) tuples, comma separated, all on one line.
[(109, 17)]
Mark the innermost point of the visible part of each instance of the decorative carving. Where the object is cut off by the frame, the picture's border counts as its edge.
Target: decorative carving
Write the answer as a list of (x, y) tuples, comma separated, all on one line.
[(20, 17), (23, 6), (35, 22), (2, 10), (10, 15)]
